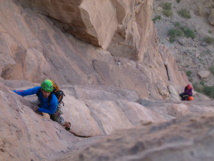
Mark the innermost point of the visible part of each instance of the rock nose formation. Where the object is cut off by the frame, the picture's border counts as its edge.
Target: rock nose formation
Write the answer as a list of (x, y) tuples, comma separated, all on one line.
[(128, 23), (107, 59)]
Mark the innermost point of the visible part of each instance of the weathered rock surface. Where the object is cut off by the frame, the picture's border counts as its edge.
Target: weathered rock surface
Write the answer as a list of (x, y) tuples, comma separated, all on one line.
[(98, 22), (203, 74), (87, 20), (188, 138), (119, 84), (26, 135), (33, 49)]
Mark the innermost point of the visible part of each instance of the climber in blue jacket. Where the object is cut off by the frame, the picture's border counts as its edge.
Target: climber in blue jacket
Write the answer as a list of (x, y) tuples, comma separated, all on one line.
[(45, 105), (47, 101)]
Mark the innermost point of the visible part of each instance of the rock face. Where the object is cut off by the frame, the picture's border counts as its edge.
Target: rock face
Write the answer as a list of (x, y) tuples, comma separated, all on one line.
[(24, 134), (154, 143), (85, 19), (203, 74), (93, 111), (119, 83), (33, 48), (98, 22), (135, 33)]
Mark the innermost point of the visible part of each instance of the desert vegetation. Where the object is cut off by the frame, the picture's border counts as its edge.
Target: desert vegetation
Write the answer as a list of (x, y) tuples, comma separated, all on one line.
[(156, 18), (187, 31), (204, 89), (212, 69), (179, 31), (167, 9), (209, 40), (184, 13)]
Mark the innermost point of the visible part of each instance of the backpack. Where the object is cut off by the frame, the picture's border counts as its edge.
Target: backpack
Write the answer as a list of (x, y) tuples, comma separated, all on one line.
[(59, 93)]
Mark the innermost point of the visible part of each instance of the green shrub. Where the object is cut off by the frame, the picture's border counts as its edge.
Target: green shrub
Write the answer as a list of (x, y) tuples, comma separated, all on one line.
[(179, 30), (188, 32), (178, 1), (209, 40), (206, 90), (212, 69), (167, 6), (167, 13), (167, 9), (184, 13), (198, 88), (188, 73), (156, 18), (202, 83), (177, 24), (174, 33), (209, 31), (209, 91)]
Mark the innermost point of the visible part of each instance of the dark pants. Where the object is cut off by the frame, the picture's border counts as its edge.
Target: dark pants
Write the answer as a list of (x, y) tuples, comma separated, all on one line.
[(184, 96), (57, 116)]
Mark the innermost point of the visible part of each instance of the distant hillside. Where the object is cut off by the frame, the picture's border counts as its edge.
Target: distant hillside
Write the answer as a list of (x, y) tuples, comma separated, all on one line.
[(187, 28)]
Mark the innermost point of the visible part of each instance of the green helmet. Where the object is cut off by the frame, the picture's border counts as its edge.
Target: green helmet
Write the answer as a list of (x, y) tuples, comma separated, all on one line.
[(47, 86)]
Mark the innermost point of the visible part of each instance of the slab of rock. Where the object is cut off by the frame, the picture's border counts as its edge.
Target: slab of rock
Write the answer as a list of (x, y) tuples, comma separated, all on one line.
[(203, 74), (188, 138), (24, 133)]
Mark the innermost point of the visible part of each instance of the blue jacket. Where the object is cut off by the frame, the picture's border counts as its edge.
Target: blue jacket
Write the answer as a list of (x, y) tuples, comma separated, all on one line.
[(44, 106)]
